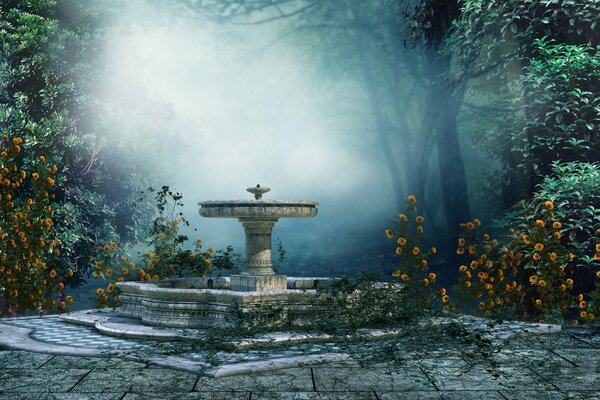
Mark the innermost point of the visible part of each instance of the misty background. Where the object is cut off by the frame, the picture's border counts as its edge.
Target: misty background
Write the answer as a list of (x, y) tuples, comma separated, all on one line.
[(246, 105)]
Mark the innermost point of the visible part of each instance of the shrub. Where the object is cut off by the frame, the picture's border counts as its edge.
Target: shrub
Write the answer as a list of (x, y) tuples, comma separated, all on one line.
[(32, 278), (168, 257), (413, 270)]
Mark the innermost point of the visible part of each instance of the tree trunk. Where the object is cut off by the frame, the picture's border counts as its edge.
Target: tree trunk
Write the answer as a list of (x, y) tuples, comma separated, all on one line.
[(442, 109)]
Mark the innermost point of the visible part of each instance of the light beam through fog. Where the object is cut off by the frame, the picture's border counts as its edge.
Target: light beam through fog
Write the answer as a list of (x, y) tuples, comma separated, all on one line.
[(245, 116)]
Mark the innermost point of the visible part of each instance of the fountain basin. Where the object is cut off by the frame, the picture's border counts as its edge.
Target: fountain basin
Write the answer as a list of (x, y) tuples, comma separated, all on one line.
[(258, 209), (190, 303)]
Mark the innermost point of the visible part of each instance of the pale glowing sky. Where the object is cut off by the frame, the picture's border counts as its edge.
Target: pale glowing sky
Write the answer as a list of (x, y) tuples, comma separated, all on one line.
[(247, 116)]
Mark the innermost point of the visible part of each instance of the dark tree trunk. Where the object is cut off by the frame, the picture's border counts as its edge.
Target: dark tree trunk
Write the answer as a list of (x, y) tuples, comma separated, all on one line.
[(442, 110)]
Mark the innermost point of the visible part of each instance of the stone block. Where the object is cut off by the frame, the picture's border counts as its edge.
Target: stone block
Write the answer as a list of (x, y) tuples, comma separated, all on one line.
[(251, 283)]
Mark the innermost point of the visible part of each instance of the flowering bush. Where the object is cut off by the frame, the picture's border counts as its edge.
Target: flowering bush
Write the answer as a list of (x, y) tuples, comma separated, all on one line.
[(31, 278), (414, 269), (531, 275), (168, 258)]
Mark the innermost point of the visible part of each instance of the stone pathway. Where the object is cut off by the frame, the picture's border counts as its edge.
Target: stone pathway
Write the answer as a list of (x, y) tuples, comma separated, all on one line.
[(563, 365)]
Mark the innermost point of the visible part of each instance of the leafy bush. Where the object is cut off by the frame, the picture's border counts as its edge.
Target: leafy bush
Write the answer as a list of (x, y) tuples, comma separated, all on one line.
[(168, 257), (32, 277), (414, 271)]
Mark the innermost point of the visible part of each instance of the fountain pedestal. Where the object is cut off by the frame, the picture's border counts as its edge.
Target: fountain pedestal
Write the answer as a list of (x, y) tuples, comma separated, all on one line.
[(259, 274)]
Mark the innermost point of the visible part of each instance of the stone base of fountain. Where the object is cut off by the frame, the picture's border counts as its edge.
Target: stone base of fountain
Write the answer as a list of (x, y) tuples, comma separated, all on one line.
[(251, 283), (210, 302)]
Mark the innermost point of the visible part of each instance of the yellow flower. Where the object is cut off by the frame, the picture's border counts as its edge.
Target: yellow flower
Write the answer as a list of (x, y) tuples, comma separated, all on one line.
[(389, 233), (486, 236), (398, 250), (583, 314), (482, 305), (526, 239), (432, 275), (401, 241), (539, 246), (467, 283), (562, 288), (124, 271), (433, 250), (96, 274), (405, 277), (460, 250), (396, 273), (557, 235), (461, 242), (35, 176), (536, 256), (470, 225), (445, 298), (99, 291), (419, 230), (412, 199), (556, 225), (569, 281), (155, 277), (561, 268), (579, 297), (110, 287), (62, 304), (472, 249), (538, 302), (476, 222), (419, 219), (462, 268), (582, 304), (598, 248), (533, 278), (443, 291), (553, 256), (571, 256), (61, 285), (416, 250), (211, 250), (542, 283), (426, 281), (549, 205), (109, 272), (403, 217), (424, 263), (598, 274), (53, 273), (69, 299)]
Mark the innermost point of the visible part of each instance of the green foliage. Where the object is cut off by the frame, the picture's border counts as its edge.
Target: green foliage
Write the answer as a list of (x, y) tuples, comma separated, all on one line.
[(537, 62), (168, 256), (49, 77), (574, 188)]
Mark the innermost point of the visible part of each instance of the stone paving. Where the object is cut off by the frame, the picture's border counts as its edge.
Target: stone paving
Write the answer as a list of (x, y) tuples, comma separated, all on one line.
[(563, 365)]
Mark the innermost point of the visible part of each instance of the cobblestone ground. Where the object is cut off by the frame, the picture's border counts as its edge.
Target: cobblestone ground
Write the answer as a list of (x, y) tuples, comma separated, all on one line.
[(551, 366)]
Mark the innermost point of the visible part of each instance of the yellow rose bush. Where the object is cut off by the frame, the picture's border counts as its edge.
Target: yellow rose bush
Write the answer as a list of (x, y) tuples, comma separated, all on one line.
[(413, 269), (31, 278), (167, 257)]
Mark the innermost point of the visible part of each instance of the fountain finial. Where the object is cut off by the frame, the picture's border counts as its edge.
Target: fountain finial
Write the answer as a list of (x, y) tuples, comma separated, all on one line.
[(258, 191)]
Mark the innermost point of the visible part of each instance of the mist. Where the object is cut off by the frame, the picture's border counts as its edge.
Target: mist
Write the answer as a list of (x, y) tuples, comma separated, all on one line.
[(248, 108)]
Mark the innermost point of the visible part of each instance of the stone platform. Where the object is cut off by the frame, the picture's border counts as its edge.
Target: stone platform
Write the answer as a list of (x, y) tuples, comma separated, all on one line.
[(218, 303), (560, 365)]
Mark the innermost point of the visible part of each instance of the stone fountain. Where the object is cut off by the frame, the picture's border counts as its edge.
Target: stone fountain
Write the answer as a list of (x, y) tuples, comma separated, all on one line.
[(258, 218), (219, 302)]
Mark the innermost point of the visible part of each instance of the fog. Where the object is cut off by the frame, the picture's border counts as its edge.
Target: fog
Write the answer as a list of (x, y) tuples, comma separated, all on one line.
[(249, 111)]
